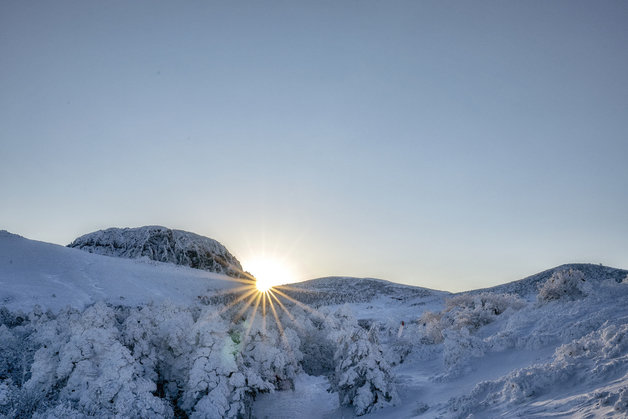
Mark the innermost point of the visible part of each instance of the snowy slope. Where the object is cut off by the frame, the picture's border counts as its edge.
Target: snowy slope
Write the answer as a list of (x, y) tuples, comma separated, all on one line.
[(162, 245), (54, 276)]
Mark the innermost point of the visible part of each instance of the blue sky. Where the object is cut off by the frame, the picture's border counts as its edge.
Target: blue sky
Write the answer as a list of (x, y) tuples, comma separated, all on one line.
[(451, 145)]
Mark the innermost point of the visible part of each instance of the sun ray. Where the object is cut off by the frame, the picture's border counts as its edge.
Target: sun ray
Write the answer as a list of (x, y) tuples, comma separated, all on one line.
[(236, 301), (289, 288), (272, 307), (251, 320), (248, 278), (235, 290), (264, 297), (299, 303), (284, 309), (246, 306), (282, 334)]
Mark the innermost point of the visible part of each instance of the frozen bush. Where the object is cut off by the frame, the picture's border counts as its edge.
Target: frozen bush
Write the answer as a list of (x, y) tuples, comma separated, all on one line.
[(621, 405), (363, 378), (9, 398), (466, 311), (432, 326), (567, 284), (458, 349), (473, 311), (597, 357), (273, 354), (206, 392), (317, 346), (85, 364), (401, 339)]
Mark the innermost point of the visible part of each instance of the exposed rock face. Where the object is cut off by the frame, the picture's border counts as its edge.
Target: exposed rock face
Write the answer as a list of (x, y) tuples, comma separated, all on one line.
[(163, 245)]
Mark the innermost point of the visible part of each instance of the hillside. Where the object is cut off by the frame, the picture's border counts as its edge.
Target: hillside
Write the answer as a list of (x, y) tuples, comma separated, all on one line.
[(529, 285), (54, 276), (340, 290)]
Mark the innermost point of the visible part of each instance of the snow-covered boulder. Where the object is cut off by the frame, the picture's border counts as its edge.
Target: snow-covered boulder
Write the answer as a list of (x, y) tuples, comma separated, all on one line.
[(163, 245)]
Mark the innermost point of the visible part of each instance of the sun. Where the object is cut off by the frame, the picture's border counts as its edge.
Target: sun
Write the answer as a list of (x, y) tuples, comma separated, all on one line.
[(269, 272)]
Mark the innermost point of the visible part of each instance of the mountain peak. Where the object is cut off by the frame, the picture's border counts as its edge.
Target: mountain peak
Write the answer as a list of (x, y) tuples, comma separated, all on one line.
[(161, 244)]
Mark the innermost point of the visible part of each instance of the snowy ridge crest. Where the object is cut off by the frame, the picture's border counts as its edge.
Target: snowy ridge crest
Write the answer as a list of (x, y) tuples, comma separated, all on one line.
[(341, 290), (530, 285), (162, 245)]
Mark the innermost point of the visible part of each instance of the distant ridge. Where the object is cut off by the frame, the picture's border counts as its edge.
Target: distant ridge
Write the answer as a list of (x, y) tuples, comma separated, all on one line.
[(342, 289), (530, 284), (161, 244)]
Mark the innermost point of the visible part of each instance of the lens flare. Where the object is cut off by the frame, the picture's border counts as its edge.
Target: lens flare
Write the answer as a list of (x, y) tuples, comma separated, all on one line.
[(269, 272)]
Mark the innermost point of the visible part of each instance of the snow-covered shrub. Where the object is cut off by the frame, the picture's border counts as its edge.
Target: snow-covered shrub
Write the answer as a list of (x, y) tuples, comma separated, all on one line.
[(599, 356), (466, 311), (432, 326), (10, 319), (207, 389), (11, 352), (566, 284), (273, 354), (230, 365), (399, 337), (473, 311), (139, 334), (363, 378), (621, 405), (81, 361), (458, 350), (317, 345), (170, 330), (62, 410), (9, 398)]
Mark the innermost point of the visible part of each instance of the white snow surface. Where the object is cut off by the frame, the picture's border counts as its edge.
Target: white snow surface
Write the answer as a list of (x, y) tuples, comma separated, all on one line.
[(497, 352), (53, 276)]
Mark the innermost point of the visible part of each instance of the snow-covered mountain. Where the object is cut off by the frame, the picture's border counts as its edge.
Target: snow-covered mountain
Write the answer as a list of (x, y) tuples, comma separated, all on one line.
[(52, 276), (530, 285), (140, 338), (162, 245)]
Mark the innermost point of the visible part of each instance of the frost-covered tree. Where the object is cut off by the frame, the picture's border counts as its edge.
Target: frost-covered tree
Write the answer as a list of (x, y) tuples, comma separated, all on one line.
[(362, 378), (273, 353), (317, 344), (208, 385), (83, 363), (566, 283)]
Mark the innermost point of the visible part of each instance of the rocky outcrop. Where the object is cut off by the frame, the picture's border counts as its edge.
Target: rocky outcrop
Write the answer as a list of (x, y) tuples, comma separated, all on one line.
[(163, 245)]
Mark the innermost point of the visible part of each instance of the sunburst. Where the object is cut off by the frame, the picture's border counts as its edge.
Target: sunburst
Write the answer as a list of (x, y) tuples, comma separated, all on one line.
[(262, 295)]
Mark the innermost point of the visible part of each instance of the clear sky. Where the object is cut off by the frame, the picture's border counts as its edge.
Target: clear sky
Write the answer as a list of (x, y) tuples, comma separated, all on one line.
[(446, 144)]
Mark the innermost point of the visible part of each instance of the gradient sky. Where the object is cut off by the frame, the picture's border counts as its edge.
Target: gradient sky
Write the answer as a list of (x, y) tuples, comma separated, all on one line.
[(451, 145)]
